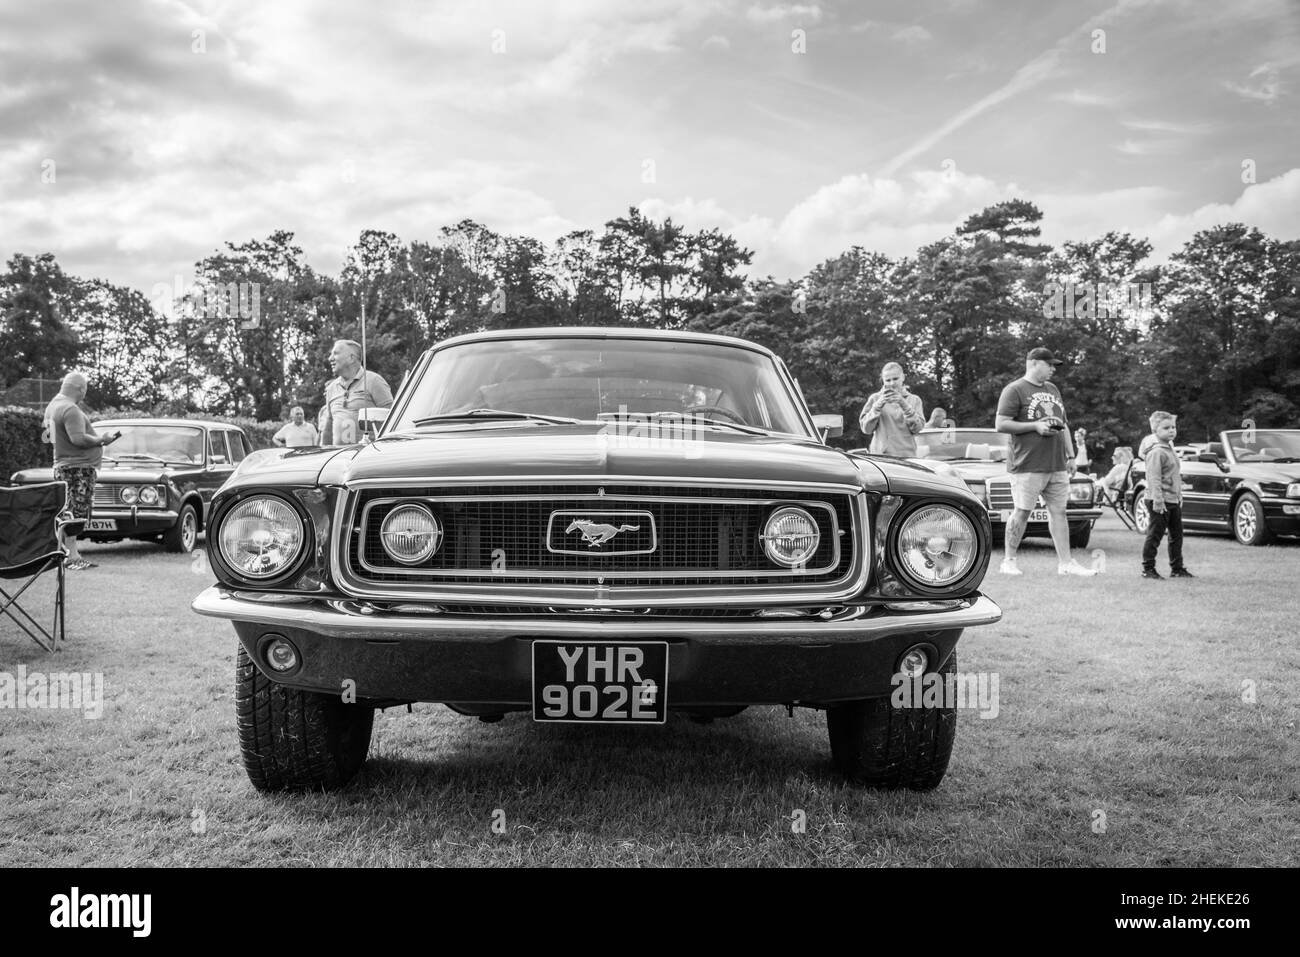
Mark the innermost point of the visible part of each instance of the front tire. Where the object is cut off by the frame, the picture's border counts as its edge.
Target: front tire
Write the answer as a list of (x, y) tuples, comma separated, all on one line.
[(876, 744), (295, 740), (183, 536), (1248, 525)]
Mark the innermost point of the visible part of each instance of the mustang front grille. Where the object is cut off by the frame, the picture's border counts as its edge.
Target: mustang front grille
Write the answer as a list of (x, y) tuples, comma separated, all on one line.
[(600, 541)]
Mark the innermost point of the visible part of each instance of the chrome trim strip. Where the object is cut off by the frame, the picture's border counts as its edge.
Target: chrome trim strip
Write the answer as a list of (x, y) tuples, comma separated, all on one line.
[(553, 479), (343, 619), (438, 575), (601, 595)]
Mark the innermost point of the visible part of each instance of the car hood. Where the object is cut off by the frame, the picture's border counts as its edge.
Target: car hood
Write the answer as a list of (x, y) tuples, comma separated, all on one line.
[(972, 471), (590, 450), (120, 475)]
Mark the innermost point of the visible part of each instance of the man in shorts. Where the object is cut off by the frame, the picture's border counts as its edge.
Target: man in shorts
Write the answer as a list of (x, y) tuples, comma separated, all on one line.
[(1040, 458), (78, 450)]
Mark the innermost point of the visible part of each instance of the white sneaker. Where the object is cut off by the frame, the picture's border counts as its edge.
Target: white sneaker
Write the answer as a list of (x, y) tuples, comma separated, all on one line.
[(1074, 568), (1009, 567)]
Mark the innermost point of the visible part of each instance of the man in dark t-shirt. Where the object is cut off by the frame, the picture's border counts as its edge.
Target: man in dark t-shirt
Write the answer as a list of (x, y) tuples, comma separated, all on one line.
[(1040, 458)]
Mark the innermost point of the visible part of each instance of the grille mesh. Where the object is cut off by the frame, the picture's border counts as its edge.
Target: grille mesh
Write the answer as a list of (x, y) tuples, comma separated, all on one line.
[(696, 538)]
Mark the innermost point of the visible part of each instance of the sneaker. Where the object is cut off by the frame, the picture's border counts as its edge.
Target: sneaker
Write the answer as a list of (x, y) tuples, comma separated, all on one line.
[(1181, 573), (1009, 567), (1074, 568), (1152, 573)]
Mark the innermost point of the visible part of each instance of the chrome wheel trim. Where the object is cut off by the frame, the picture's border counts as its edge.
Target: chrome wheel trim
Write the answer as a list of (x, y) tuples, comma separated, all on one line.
[(189, 529), (1247, 520), (1141, 515)]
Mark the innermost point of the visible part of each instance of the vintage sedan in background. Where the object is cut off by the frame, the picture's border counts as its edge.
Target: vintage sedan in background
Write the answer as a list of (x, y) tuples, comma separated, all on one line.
[(595, 525), (156, 482), (978, 457), (1247, 484)]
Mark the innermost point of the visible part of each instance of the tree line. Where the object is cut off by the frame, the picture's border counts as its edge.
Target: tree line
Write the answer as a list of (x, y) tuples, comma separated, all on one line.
[(1212, 335)]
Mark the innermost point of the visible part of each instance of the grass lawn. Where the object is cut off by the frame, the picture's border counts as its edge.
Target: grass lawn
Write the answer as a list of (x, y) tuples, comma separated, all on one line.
[(1122, 739)]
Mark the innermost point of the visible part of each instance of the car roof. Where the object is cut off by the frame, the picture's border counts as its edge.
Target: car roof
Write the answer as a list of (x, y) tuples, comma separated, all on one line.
[(605, 332), (197, 423)]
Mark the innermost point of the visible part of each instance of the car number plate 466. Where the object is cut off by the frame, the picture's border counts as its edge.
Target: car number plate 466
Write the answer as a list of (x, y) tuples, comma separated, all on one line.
[(1035, 515), (596, 682)]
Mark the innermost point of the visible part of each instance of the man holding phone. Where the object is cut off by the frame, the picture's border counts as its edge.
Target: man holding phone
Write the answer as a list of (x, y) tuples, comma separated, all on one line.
[(892, 416), (78, 450), (1040, 458)]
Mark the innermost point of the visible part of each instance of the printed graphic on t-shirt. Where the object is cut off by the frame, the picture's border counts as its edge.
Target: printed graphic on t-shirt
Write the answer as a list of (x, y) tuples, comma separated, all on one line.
[(1043, 405)]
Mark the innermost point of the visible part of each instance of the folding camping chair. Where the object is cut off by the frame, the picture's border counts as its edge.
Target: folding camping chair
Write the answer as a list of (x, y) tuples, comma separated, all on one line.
[(30, 519), (1114, 498)]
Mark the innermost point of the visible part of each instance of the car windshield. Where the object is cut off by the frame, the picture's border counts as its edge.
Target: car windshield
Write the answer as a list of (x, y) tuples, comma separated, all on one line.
[(1265, 445), (147, 443), (951, 445), (602, 379)]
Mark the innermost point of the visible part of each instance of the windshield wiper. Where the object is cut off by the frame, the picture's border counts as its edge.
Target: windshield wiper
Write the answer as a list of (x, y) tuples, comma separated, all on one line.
[(494, 414), (1285, 458), (140, 455)]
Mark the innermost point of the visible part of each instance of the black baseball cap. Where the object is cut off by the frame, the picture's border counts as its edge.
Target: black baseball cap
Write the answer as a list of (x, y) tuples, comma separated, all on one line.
[(1045, 354)]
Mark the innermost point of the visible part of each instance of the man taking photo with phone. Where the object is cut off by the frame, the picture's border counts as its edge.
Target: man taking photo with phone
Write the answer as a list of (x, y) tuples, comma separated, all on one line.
[(1040, 458), (892, 416)]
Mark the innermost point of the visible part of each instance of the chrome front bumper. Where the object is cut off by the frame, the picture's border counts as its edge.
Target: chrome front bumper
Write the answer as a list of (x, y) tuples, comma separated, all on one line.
[(342, 618)]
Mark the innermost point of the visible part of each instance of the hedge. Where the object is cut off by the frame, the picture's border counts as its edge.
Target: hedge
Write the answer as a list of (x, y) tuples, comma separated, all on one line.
[(20, 441), (21, 446)]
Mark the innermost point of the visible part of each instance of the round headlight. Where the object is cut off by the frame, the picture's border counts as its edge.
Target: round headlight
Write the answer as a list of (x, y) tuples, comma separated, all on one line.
[(129, 495), (410, 534), (148, 495), (261, 537), (937, 545), (791, 536)]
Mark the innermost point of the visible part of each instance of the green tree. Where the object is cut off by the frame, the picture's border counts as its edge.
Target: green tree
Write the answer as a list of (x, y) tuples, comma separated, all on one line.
[(35, 337)]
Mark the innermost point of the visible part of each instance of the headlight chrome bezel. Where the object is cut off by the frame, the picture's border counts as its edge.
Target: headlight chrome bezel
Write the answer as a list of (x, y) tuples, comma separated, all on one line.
[(243, 577), (966, 574), (769, 538), (437, 535)]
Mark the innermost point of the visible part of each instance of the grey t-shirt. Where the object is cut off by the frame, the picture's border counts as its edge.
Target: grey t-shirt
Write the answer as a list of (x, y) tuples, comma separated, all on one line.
[(1023, 401), (76, 443)]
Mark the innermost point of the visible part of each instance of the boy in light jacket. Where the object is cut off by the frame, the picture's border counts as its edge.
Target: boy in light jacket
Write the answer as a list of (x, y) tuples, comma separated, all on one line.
[(1164, 498)]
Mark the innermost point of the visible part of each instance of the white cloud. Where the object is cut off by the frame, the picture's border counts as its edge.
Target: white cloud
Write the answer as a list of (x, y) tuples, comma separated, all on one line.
[(913, 34), (1272, 206), (757, 14), (716, 41), (1266, 88)]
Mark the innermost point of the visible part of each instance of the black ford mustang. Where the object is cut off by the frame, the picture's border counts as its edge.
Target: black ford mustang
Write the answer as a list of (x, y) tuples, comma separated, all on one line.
[(594, 525)]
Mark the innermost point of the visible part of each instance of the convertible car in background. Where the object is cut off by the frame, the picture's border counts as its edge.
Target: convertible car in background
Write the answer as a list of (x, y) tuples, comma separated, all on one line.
[(1247, 484), (156, 482), (978, 457), (601, 526)]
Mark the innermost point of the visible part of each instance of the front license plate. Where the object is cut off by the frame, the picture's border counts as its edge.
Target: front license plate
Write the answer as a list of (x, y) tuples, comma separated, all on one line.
[(597, 682), (102, 525), (1035, 515)]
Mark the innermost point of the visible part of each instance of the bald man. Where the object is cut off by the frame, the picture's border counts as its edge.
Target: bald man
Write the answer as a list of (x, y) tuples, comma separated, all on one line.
[(352, 389), (892, 416), (78, 450)]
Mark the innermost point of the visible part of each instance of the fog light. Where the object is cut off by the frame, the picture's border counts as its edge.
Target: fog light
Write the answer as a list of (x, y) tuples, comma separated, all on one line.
[(281, 655), (914, 662)]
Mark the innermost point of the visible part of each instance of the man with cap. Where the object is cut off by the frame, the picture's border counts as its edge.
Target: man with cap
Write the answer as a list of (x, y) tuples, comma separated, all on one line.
[(1040, 458)]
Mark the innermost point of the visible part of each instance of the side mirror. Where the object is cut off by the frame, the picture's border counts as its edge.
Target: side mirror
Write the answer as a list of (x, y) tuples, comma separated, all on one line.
[(830, 426), (370, 421)]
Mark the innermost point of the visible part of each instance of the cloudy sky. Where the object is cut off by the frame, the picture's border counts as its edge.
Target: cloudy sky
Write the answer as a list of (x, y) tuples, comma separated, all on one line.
[(137, 136)]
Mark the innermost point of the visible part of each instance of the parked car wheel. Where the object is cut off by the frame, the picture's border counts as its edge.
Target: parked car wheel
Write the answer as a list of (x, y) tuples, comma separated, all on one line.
[(1248, 521), (1080, 535), (295, 740), (182, 536), (1141, 513), (876, 744)]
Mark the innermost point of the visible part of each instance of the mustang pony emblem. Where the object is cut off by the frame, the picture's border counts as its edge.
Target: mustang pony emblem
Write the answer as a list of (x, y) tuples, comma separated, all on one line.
[(596, 534)]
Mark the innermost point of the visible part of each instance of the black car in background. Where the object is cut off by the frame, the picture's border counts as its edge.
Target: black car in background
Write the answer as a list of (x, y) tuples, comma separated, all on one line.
[(1247, 485), (156, 481)]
